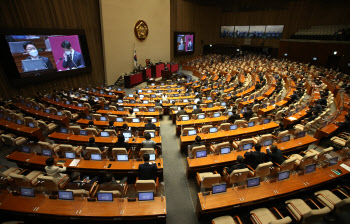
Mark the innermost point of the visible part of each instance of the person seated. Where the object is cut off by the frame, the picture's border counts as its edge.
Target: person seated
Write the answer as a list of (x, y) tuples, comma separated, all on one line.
[(158, 103), (198, 142), (198, 109), (148, 142), (131, 114), (239, 165), (110, 125), (91, 101), (109, 179), (344, 126), (121, 142), (318, 108), (275, 155), (125, 127), (248, 114), (54, 171), (76, 178), (181, 112), (254, 158), (91, 143), (150, 125), (147, 170), (233, 118)]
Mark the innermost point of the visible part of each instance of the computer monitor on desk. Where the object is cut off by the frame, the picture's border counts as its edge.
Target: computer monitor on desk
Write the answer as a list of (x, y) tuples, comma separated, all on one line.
[(104, 134), (70, 155), (105, 197), (65, 195), (201, 116), (283, 175), (268, 142), (103, 119), (225, 150), (64, 130), (47, 152), (233, 127), (266, 120), (96, 157), (251, 124), (201, 153), (247, 146), (253, 182), (192, 132), (119, 119), (152, 157), (301, 134), (217, 114), (310, 168), (285, 138), (27, 192), (122, 157), (136, 120), (185, 118), (145, 196), (219, 188), (25, 149), (213, 130), (333, 161)]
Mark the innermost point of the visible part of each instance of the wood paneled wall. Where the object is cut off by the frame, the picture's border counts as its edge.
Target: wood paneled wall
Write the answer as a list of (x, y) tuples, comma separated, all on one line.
[(56, 14), (205, 20)]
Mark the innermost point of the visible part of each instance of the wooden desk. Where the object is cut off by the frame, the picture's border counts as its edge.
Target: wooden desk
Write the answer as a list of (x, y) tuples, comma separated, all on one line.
[(42, 115), (22, 130), (227, 135), (240, 197), (80, 208), (81, 140), (268, 109), (330, 128), (37, 162), (116, 124), (204, 110), (125, 113), (70, 107), (213, 162), (196, 123)]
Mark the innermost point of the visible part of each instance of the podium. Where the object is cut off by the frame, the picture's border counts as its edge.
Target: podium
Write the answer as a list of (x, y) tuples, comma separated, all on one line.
[(131, 79)]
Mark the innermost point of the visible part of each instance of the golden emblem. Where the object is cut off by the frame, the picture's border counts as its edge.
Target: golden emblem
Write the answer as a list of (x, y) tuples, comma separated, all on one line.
[(141, 30)]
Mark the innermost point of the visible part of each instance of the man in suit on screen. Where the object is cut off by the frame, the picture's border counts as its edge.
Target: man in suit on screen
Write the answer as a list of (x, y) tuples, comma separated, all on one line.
[(72, 58), (189, 45), (31, 49)]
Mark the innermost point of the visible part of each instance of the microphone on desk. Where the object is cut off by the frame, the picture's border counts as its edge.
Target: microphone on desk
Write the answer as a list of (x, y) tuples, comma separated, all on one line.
[(60, 59)]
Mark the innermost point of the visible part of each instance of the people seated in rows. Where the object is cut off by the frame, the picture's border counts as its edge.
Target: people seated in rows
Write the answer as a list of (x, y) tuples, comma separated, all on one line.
[(54, 171), (275, 155), (254, 158), (91, 142), (150, 125), (148, 142), (147, 170), (248, 114), (121, 142), (239, 165)]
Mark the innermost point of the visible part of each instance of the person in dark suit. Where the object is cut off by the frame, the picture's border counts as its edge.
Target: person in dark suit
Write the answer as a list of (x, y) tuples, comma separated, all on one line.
[(72, 58), (110, 125), (254, 158), (275, 155), (233, 118), (150, 125), (147, 170), (248, 114), (76, 178), (30, 48), (198, 142), (109, 179), (189, 45), (198, 110), (240, 165), (121, 142), (181, 112)]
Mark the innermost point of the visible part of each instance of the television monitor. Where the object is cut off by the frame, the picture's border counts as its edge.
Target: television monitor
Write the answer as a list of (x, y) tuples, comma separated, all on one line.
[(105, 197), (122, 157), (47, 152), (185, 100), (9, 118), (120, 108), (65, 195), (152, 156), (209, 98), (120, 101), (88, 117), (176, 95), (201, 153), (286, 138), (96, 157), (266, 120), (119, 89), (103, 119), (64, 130), (192, 132), (136, 120), (145, 196), (251, 97), (233, 127), (213, 130), (96, 98), (67, 102), (153, 134), (132, 101), (210, 105), (253, 182), (217, 114), (273, 102), (70, 155), (104, 134), (20, 122), (201, 116), (131, 95), (25, 149), (223, 104), (139, 91), (310, 168), (154, 120), (127, 135), (119, 119), (184, 43), (225, 150), (264, 106), (251, 124), (36, 108), (301, 134), (47, 111), (27, 192), (247, 146), (145, 102), (153, 95), (59, 113), (268, 142), (283, 175), (333, 161), (229, 113), (194, 107), (136, 109), (57, 100), (151, 109), (219, 188), (106, 107), (245, 99)]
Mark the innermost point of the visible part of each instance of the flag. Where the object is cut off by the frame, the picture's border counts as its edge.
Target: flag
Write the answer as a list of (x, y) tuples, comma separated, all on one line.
[(135, 58)]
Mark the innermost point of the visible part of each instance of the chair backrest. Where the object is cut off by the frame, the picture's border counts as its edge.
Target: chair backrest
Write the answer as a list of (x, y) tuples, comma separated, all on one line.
[(198, 148), (225, 126), (255, 108), (200, 114), (307, 160), (87, 105), (254, 119), (112, 108), (263, 169), (189, 107), (281, 135), (94, 150), (45, 145), (264, 138), (68, 114), (145, 185), (8, 140), (205, 128), (279, 115), (185, 131), (129, 119), (66, 148), (43, 126), (53, 184), (116, 151), (75, 129), (240, 123), (287, 164), (203, 105), (322, 155), (245, 141), (239, 176), (147, 151), (91, 131), (208, 182), (111, 132), (112, 117), (218, 147), (96, 117)]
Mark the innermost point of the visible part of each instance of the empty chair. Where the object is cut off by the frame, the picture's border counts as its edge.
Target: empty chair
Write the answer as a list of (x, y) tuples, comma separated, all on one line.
[(240, 144), (240, 123), (281, 135), (111, 132), (5, 171), (264, 215), (92, 150), (28, 120), (112, 108), (205, 129), (185, 131), (194, 150), (263, 138), (303, 213), (224, 127), (28, 180), (254, 119), (69, 148), (146, 185), (53, 110), (236, 176), (10, 140), (75, 130), (217, 147), (47, 128), (255, 108), (226, 220), (320, 156), (116, 151), (96, 117), (342, 140), (46, 145), (332, 201), (287, 164), (91, 131), (87, 105), (262, 170), (302, 161), (52, 184), (278, 116), (70, 115), (207, 179)]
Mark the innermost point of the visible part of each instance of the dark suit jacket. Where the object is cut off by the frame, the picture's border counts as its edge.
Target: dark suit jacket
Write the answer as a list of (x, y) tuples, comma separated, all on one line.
[(150, 126), (181, 112), (197, 111), (122, 145), (247, 115), (45, 59), (275, 157), (147, 171), (78, 61), (236, 167), (254, 158)]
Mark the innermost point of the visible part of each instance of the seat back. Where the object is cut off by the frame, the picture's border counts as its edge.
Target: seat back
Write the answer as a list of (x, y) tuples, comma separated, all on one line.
[(96, 117), (255, 108), (263, 169), (205, 128), (218, 147), (254, 119), (307, 160), (224, 127), (111, 132), (208, 182), (91, 131), (279, 115), (75, 129), (116, 151), (66, 148), (322, 155), (281, 135), (146, 151), (264, 138), (239, 176), (92, 150), (240, 123), (52, 184), (198, 148), (245, 141), (147, 118), (43, 126), (8, 140), (145, 185), (185, 131), (287, 164)]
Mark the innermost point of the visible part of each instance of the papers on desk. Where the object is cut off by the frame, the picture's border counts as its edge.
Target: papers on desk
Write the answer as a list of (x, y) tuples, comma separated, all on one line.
[(345, 167), (74, 162), (292, 118)]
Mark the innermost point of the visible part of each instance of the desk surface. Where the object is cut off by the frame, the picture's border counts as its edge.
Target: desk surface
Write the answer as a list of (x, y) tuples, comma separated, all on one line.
[(84, 110), (126, 113), (117, 124), (27, 131)]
